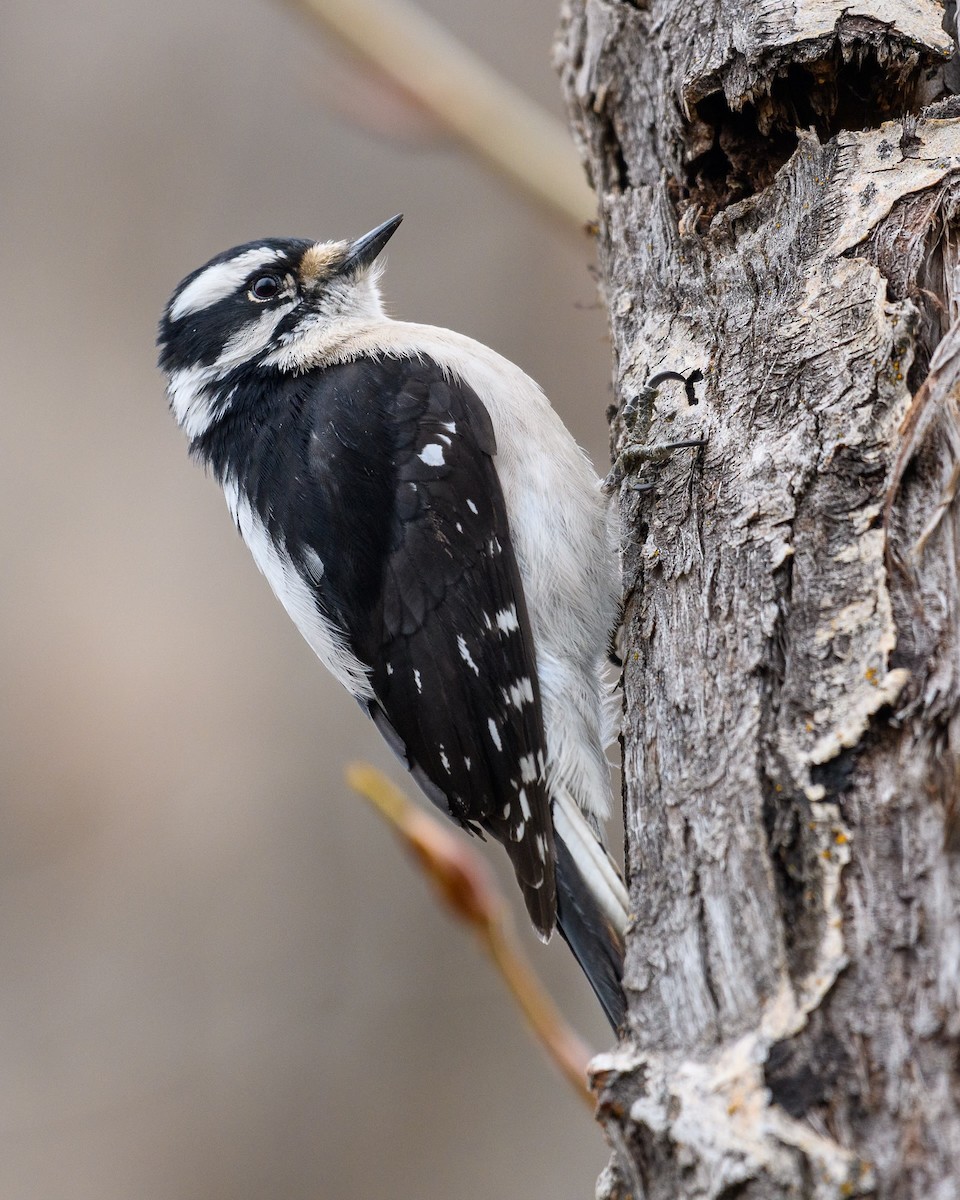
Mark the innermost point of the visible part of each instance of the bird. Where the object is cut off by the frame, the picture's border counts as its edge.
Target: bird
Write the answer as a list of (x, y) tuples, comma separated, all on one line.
[(438, 538)]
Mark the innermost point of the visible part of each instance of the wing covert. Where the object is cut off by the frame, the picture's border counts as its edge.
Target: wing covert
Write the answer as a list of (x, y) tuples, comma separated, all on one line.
[(400, 502)]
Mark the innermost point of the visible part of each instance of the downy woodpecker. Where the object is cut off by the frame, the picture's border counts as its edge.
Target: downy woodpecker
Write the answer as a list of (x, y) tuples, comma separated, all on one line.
[(437, 537)]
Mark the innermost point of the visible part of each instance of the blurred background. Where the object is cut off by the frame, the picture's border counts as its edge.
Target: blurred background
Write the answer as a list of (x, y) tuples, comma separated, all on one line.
[(219, 977)]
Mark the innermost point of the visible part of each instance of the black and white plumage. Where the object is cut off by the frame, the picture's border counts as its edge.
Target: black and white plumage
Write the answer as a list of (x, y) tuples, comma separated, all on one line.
[(437, 537)]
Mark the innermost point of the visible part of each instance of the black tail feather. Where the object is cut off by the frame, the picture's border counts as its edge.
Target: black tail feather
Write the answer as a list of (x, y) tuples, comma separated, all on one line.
[(596, 944)]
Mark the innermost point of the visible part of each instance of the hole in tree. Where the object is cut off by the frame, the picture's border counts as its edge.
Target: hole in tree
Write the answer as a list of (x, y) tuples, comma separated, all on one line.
[(737, 153)]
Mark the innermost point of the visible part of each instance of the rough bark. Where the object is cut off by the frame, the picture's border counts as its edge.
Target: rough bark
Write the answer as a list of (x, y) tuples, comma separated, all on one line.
[(778, 193)]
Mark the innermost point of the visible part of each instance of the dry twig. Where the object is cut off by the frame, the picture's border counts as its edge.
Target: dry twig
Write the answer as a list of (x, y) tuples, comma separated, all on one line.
[(491, 117), (465, 885)]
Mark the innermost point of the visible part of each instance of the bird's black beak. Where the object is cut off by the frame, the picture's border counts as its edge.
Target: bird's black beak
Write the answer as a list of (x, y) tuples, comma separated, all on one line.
[(364, 250)]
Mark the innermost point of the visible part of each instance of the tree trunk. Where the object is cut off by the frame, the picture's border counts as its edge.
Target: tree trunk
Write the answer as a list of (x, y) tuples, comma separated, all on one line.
[(778, 192)]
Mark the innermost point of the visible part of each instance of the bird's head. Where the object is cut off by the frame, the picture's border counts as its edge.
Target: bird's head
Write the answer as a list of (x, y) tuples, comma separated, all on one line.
[(274, 302)]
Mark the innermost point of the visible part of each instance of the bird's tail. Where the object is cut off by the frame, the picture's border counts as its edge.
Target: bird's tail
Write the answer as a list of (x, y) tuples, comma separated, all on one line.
[(593, 908)]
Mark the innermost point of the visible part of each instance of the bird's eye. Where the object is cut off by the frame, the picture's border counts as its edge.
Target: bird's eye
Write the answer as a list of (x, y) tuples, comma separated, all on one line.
[(265, 287)]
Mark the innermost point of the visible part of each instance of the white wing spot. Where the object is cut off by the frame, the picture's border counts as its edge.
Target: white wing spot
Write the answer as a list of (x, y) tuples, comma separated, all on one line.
[(473, 508), (449, 426), (444, 760), (507, 619), (528, 770), (466, 762), (466, 655), (520, 830), (389, 668), (313, 563), (494, 735), (524, 804), (432, 455), (459, 527), (520, 693), (542, 846), (494, 545), (416, 680)]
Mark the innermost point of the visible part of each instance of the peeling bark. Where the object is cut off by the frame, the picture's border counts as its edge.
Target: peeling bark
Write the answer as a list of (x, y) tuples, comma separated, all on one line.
[(778, 190)]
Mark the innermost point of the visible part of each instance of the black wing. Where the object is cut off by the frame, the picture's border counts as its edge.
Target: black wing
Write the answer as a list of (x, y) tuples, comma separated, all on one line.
[(385, 472)]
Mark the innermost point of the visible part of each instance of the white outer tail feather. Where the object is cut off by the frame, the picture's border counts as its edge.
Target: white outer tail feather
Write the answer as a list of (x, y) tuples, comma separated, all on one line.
[(597, 868)]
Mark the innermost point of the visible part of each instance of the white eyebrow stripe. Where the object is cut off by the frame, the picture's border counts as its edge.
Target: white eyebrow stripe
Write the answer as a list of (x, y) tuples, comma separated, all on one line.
[(221, 280)]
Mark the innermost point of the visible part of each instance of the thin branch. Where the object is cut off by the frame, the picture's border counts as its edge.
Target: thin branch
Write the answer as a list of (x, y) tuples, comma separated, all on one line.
[(491, 118), (466, 887)]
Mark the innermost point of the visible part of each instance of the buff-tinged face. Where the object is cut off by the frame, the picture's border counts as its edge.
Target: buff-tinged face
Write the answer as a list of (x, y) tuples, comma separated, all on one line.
[(256, 298), (262, 304), (278, 302)]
